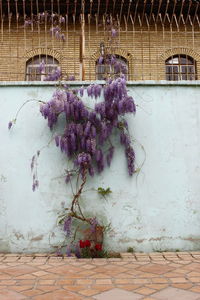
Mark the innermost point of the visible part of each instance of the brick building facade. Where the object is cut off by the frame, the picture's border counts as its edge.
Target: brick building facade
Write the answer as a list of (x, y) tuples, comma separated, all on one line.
[(158, 39)]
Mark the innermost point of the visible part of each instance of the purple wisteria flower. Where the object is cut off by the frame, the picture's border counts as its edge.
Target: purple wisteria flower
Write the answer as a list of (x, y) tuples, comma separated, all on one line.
[(32, 162), (110, 155), (62, 37), (68, 178), (83, 159), (42, 66), (56, 32), (28, 23), (113, 32), (54, 76), (100, 61), (68, 251), (10, 124), (93, 223), (81, 91), (87, 131), (130, 154), (71, 78), (57, 140), (77, 251), (58, 252), (62, 19), (35, 184), (67, 225)]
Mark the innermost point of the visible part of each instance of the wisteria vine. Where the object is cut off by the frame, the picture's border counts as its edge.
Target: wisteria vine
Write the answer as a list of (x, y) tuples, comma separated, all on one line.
[(88, 130), (87, 136)]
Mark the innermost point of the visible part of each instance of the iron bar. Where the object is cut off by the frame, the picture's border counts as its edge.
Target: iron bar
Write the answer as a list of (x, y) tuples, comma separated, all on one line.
[(166, 10), (17, 42), (17, 14), (181, 10), (98, 9), (176, 22), (58, 5), (114, 2), (82, 56), (67, 37), (32, 16), (107, 1), (126, 24), (136, 7), (44, 5), (121, 8), (97, 23), (175, 2), (142, 50), (158, 12), (188, 12), (129, 8), (37, 6), (67, 2), (143, 11), (9, 38), (133, 42), (74, 42), (192, 25), (75, 5), (24, 15), (156, 32), (119, 30), (91, 3), (196, 11), (152, 5), (149, 46), (89, 42)]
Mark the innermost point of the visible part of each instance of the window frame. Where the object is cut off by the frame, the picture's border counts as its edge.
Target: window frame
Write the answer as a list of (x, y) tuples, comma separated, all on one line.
[(33, 64), (184, 61), (99, 75)]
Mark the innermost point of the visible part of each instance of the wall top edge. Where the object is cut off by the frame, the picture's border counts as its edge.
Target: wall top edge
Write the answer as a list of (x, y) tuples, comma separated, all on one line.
[(85, 83)]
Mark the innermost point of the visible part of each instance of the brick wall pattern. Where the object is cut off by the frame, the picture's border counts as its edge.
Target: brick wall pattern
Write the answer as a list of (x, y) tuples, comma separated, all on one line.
[(145, 49)]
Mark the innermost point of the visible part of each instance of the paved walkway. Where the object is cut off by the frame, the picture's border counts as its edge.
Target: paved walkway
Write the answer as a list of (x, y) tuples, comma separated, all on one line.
[(162, 276)]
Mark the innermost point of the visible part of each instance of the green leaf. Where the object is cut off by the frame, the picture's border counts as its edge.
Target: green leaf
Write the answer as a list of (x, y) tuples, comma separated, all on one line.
[(104, 192)]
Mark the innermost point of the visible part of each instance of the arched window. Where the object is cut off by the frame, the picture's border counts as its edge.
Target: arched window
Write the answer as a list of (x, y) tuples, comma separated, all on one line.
[(40, 66), (180, 67), (112, 65)]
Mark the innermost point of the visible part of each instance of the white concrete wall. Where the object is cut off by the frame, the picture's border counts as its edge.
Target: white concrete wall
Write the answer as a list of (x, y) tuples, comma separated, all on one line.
[(157, 209)]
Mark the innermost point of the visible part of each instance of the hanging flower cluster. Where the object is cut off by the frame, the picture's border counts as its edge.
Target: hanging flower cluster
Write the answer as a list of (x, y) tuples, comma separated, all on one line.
[(88, 131), (54, 19), (56, 31), (55, 75), (87, 141), (67, 225), (114, 65)]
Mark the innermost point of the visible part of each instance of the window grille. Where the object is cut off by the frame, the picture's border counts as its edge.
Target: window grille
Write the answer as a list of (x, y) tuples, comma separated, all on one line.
[(180, 67), (40, 66), (113, 70)]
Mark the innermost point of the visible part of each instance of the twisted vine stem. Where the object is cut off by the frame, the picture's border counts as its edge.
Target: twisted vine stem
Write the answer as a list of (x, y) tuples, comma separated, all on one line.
[(75, 200)]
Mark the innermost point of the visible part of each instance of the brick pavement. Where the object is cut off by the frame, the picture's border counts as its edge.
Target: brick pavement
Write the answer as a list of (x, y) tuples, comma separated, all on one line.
[(153, 276)]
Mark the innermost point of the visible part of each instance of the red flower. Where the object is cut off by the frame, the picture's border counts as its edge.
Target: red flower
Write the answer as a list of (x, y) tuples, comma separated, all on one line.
[(87, 243), (98, 247), (82, 244)]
